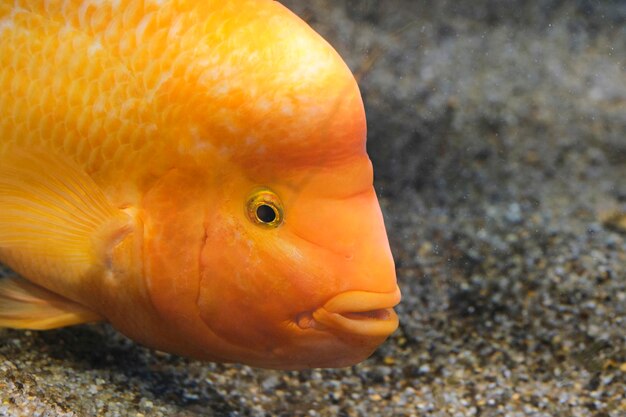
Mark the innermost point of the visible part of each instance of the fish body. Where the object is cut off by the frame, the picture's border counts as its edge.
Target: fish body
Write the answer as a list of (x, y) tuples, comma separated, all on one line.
[(194, 173)]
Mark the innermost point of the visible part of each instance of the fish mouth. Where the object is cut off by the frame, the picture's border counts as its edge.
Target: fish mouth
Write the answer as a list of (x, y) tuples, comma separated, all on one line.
[(361, 313)]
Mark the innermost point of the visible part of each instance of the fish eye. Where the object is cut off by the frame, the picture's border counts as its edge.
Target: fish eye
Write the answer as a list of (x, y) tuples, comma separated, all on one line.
[(266, 213), (265, 209)]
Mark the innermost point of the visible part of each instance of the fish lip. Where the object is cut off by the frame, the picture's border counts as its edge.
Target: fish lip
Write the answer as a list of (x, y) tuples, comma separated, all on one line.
[(363, 313)]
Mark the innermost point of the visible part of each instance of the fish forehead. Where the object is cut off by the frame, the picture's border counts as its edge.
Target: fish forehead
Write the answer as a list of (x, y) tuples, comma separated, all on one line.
[(245, 79)]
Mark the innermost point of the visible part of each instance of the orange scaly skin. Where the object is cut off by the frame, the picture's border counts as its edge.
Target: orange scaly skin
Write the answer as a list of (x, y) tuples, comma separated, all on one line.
[(177, 112)]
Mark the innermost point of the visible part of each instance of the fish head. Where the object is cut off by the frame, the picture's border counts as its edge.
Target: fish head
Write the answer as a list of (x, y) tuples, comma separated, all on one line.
[(300, 273), (283, 260), (297, 267)]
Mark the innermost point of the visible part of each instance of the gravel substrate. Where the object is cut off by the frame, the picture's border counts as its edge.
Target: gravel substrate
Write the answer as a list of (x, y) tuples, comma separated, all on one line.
[(498, 134)]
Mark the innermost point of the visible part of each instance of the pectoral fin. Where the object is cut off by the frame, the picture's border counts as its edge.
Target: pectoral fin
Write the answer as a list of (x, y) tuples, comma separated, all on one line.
[(27, 306), (55, 221)]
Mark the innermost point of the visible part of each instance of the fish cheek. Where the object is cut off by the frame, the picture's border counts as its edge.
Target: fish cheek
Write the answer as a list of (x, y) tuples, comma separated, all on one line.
[(227, 301), (247, 291)]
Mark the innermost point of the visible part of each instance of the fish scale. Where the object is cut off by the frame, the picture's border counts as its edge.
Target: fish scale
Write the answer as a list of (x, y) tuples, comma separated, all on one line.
[(94, 97), (123, 69)]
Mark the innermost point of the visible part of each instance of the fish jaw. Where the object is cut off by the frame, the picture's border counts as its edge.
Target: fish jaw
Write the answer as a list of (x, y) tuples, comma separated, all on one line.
[(360, 313), (345, 331)]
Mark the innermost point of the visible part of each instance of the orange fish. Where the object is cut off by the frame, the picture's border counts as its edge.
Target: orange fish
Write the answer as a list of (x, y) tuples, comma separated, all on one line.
[(193, 172)]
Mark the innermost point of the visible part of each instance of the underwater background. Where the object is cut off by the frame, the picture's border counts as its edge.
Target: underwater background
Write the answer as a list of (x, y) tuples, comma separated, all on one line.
[(497, 129)]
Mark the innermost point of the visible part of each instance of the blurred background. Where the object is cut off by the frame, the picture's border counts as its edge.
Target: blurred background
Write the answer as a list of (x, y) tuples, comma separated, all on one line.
[(497, 129)]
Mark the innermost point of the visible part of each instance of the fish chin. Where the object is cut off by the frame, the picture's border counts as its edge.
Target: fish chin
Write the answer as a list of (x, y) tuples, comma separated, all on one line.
[(322, 349), (346, 330), (305, 348)]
